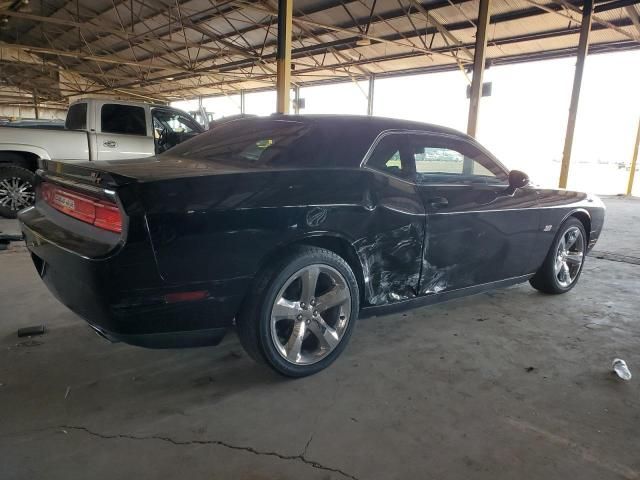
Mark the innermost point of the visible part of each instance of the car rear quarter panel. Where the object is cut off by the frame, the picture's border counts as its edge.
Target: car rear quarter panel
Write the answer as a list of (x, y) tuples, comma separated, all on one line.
[(229, 226)]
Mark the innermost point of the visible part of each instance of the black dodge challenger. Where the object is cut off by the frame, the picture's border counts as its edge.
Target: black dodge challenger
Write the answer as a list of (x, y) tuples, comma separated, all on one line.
[(290, 227)]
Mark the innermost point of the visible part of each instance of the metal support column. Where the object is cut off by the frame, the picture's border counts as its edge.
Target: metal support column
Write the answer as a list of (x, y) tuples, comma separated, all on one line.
[(634, 162), (583, 48), (296, 100), (283, 82), (372, 81), (479, 60), (242, 104), (35, 104)]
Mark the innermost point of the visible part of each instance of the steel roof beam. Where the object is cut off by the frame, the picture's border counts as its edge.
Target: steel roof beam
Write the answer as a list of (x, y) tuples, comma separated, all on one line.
[(445, 67), (395, 14), (605, 7), (594, 18), (120, 33), (634, 16), (344, 43), (347, 43)]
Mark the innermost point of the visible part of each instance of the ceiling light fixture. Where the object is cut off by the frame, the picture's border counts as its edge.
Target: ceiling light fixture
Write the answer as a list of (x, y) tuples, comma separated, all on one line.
[(25, 7)]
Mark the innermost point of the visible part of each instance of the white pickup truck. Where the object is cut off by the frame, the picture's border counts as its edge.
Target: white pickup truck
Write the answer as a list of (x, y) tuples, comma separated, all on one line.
[(95, 129)]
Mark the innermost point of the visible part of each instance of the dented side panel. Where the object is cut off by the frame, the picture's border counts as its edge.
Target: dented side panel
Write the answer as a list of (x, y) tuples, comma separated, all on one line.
[(225, 228), (482, 235), (391, 250)]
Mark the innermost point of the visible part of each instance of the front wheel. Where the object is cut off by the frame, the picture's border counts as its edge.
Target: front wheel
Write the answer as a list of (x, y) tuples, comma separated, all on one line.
[(16, 190), (563, 265), (302, 312)]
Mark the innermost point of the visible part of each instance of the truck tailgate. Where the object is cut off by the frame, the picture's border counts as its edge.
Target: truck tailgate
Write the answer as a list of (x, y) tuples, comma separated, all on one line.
[(67, 144)]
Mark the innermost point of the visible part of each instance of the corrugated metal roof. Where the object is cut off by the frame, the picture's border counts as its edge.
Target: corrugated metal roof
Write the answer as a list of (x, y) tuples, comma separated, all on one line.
[(199, 47)]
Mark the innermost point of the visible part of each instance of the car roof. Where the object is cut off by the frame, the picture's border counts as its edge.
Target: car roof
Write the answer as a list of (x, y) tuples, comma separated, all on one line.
[(325, 141), (374, 123)]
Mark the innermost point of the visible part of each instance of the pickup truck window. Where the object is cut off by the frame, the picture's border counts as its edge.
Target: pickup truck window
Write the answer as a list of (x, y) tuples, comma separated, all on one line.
[(76, 117), (174, 121), (123, 119)]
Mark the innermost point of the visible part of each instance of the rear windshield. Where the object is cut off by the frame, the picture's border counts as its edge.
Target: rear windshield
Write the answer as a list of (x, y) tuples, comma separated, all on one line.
[(271, 142), (76, 117)]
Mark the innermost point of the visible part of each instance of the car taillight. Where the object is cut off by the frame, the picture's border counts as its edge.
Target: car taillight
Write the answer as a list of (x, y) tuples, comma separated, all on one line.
[(101, 213)]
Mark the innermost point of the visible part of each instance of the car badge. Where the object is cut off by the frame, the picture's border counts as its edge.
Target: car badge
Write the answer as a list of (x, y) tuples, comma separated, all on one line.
[(316, 216)]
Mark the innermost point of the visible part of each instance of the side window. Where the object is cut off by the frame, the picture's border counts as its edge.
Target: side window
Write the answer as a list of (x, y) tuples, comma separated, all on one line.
[(446, 159), (184, 124), (174, 121), (124, 119), (387, 156), (76, 117)]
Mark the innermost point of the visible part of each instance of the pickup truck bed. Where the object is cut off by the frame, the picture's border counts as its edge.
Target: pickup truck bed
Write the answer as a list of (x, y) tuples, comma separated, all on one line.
[(67, 144), (95, 129)]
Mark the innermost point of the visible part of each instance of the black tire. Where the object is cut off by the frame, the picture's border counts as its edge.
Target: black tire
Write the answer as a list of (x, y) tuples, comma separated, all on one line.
[(546, 279), (254, 320), (10, 174)]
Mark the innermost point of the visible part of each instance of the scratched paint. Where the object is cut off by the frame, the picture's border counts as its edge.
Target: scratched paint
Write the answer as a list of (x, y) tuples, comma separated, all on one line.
[(390, 262)]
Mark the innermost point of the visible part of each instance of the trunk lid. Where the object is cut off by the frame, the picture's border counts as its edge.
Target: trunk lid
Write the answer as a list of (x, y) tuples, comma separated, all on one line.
[(85, 175), (149, 169)]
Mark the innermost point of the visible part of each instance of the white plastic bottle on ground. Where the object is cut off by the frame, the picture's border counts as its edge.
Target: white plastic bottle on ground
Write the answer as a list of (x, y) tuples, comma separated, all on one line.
[(621, 369)]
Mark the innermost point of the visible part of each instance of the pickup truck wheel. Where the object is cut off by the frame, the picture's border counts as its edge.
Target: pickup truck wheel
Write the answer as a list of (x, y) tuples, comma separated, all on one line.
[(16, 190), (302, 312)]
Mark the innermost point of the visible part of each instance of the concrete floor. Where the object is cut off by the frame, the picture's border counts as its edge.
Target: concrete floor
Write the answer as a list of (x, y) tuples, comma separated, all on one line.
[(510, 384)]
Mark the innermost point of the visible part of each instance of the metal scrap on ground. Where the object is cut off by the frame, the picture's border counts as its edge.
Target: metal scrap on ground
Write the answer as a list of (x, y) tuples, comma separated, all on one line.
[(31, 331)]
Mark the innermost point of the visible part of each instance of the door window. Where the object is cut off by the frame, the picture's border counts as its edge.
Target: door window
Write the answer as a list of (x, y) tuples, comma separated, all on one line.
[(174, 122), (123, 119), (388, 157), (446, 159)]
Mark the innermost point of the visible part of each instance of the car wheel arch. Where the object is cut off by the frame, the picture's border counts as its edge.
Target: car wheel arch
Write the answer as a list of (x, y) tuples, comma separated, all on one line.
[(331, 241), (584, 217)]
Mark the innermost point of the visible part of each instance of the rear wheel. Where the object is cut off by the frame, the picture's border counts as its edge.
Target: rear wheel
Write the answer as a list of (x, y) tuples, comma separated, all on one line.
[(563, 265), (302, 313), (16, 190)]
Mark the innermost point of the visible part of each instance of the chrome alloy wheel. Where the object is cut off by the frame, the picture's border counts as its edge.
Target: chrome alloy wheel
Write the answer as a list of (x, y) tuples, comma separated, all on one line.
[(310, 314), (16, 193), (569, 257)]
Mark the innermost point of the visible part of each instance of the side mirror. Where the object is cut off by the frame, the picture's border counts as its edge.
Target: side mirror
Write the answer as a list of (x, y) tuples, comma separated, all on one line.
[(517, 179)]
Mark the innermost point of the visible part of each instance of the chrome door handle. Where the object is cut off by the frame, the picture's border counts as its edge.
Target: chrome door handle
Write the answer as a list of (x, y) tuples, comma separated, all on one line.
[(110, 144), (438, 202)]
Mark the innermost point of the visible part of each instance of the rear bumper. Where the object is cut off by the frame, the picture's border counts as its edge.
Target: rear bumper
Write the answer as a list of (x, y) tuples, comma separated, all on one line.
[(122, 296), (196, 338)]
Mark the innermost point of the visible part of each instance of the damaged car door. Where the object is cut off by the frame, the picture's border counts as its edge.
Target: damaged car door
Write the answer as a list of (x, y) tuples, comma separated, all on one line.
[(478, 230), (392, 254)]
